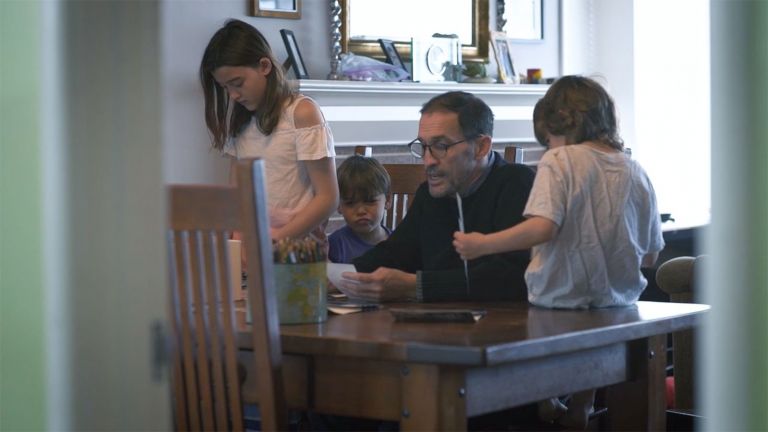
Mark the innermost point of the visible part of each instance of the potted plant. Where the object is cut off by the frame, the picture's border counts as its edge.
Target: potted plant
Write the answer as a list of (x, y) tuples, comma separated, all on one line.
[(475, 72)]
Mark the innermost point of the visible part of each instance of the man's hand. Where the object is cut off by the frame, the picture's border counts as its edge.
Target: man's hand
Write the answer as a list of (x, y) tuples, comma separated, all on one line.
[(383, 285), (471, 245)]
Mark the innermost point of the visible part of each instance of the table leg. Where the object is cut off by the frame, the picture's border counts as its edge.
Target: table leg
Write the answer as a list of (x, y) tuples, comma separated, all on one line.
[(639, 404), (432, 398)]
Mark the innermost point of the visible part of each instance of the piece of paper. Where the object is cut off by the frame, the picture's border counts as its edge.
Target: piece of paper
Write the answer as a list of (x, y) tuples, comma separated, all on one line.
[(335, 270), (343, 308), (461, 228)]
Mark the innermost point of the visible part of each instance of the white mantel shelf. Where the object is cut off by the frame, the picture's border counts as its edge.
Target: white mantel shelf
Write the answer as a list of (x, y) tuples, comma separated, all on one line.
[(387, 113), (408, 88)]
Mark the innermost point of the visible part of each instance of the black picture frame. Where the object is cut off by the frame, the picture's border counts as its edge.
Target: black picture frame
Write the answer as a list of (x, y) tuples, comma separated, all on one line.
[(295, 61), (392, 56)]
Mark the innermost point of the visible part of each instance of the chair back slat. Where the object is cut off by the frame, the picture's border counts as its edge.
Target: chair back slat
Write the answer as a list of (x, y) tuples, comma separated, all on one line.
[(225, 342), (214, 247), (366, 151), (405, 180), (200, 332), (182, 304), (513, 154), (263, 301), (177, 366), (207, 386)]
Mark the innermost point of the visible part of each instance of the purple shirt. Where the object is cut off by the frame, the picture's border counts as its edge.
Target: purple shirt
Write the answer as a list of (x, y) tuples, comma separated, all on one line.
[(344, 245)]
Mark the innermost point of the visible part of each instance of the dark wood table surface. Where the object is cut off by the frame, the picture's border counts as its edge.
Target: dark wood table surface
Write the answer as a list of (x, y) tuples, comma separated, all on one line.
[(432, 376)]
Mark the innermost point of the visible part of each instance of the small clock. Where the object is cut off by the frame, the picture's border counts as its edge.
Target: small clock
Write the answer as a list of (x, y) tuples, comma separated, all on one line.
[(431, 57), (436, 58)]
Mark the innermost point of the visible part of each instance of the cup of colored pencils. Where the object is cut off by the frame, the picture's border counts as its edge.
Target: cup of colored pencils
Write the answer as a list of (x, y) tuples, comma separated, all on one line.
[(300, 280)]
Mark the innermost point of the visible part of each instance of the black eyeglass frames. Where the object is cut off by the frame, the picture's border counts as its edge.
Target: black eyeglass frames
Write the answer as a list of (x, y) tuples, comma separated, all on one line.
[(438, 150)]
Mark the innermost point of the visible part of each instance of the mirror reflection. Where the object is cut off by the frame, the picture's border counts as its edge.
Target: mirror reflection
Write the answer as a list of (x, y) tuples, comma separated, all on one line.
[(365, 21), (277, 8), (523, 19)]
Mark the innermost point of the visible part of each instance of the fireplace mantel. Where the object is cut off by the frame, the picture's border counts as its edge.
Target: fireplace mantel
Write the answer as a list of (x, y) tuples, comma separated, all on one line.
[(387, 114)]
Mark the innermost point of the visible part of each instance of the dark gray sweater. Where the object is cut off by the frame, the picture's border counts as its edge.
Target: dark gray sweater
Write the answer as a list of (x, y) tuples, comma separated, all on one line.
[(423, 241)]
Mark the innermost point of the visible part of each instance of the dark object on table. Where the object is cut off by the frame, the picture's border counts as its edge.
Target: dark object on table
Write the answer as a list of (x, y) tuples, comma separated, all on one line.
[(437, 315)]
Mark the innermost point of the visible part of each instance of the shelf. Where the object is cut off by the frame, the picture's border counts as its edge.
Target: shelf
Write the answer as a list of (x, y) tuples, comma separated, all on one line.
[(410, 88), (387, 113)]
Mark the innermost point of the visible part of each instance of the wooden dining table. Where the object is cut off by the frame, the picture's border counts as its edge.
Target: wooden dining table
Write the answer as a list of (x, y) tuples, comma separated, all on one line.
[(433, 376)]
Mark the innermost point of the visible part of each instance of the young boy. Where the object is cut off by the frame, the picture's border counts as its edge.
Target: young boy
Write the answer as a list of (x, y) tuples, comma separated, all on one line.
[(592, 217), (363, 188)]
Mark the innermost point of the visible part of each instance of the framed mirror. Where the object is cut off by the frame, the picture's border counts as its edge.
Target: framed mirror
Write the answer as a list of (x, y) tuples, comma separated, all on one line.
[(364, 22), (290, 9)]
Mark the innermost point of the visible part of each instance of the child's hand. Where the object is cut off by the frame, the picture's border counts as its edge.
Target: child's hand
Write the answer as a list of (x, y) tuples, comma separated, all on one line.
[(469, 246)]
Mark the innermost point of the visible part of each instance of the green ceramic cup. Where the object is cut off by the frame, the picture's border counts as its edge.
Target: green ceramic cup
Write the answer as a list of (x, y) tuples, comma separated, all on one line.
[(301, 293)]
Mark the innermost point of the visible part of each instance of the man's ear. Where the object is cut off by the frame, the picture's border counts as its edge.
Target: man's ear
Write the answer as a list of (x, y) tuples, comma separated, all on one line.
[(388, 202), (482, 146)]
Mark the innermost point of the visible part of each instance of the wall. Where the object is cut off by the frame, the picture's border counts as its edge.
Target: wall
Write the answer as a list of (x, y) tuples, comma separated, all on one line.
[(597, 40), (113, 217), (544, 54), (656, 66), (734, 390), (186, 27), (81, 227), (672, 64), (22, 353)]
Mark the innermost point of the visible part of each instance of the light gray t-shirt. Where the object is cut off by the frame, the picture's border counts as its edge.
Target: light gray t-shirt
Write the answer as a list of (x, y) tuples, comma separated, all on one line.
[(605, 208)]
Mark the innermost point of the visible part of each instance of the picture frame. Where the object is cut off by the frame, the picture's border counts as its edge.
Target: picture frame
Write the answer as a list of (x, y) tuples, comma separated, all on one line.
[(503, 56), (391, 54), (285, 9), (295, 61)]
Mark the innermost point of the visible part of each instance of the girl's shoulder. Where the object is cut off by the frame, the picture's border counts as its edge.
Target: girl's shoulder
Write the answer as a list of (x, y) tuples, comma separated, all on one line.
[(305, 112)]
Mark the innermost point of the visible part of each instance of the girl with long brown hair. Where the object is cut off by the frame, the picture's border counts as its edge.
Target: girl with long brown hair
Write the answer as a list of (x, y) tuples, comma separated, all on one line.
[(252, 111)]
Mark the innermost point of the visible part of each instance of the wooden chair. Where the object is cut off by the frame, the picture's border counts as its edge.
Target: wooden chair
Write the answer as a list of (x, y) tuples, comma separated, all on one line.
[(405, 180), (206, 385), (513, 154), (677, 277), (366, 151)]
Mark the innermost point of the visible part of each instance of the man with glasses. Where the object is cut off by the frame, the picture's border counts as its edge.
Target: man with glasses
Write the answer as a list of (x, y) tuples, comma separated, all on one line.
[(418, 261)]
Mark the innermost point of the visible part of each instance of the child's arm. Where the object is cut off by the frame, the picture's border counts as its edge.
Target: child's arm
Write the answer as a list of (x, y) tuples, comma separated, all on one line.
[(322, 175), (649, 259), (524, 235)]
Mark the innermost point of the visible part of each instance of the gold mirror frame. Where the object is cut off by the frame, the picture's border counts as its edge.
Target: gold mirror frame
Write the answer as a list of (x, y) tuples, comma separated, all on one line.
[(256, 10), (476, 51)]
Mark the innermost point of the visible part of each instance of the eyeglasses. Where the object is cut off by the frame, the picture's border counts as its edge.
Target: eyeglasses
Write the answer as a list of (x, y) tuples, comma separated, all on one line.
[(438, 149)]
